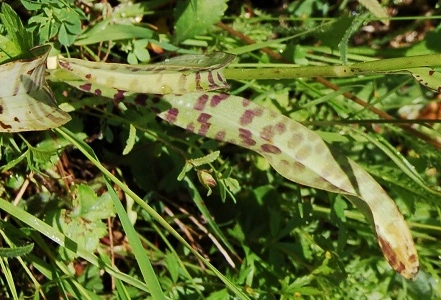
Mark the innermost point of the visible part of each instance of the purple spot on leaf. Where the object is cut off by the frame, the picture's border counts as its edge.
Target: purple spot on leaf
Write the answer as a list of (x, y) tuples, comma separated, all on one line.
[(119, 96), (88, 76), (97, 92), (268, 148), (267, 133), (280, 128), (171, 115), (203, 119), (200, 103), (220, 136), (190, 127), (248, 116), (216, 99), (246, 137), (86, 87), (212, 84)]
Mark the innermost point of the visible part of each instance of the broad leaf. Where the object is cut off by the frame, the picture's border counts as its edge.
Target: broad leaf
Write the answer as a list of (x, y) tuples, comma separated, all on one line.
[(26, 103)]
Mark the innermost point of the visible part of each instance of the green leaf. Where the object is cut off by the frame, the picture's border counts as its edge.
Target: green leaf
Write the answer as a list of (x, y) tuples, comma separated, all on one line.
[(92, 208), (333, 33), (130, 140), (83, 224), (15, 29), (195, 17), (209, 158), (104, 32), (16, 251)]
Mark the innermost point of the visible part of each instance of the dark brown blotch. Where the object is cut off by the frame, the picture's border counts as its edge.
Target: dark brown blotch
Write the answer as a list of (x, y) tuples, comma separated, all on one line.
[(1, 109), (390, 255), (30, 71), (5, 126)]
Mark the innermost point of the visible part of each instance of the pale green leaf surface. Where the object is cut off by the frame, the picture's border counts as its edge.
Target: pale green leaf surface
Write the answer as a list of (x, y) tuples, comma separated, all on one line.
[(26, 103), (164, 77), (376, 9), (130, 140)]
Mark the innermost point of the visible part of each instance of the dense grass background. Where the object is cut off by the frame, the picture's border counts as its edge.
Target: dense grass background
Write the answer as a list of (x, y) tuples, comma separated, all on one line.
[(267, 237)]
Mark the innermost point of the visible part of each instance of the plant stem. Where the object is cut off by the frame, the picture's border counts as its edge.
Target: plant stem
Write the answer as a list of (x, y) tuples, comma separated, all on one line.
[(395, 65)]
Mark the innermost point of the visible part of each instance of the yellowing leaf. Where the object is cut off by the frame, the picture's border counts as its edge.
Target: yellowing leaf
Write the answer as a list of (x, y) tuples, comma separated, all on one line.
[(26, 103)]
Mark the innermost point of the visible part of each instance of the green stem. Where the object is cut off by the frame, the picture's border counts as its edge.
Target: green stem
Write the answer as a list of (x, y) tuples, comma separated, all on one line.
[(384, 65)]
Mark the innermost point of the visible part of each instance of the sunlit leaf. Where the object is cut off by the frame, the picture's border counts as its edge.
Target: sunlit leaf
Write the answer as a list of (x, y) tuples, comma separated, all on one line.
[(26, 103), (293, 150)]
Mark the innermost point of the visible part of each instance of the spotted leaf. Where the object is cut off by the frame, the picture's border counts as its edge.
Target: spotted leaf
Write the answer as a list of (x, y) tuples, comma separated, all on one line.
[(293, 150), (175, 76), (26, 103)]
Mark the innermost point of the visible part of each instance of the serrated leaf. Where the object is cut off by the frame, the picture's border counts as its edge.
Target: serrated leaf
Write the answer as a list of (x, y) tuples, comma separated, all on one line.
[(209, 158), (16, 251), (195, 17)]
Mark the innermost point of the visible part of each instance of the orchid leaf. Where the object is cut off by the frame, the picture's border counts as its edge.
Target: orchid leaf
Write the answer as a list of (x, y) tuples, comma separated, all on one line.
[(26, 103), (293, 150)]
